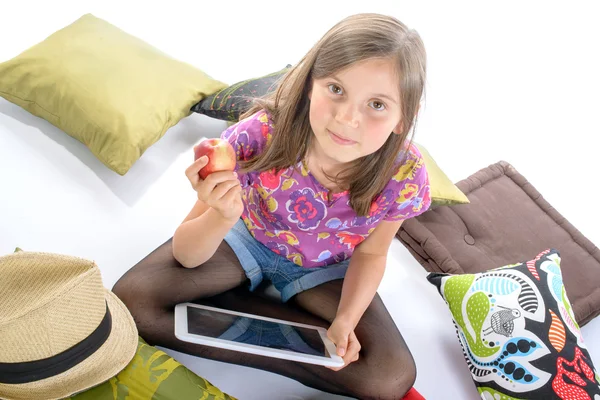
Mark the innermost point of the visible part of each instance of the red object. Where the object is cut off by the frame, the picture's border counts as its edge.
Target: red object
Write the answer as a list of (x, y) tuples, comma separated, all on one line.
[(564, 388), (412, 394), (221, 156)]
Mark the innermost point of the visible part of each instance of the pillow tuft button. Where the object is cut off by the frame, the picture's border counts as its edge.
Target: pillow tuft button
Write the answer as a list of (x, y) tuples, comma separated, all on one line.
[(469, 240)]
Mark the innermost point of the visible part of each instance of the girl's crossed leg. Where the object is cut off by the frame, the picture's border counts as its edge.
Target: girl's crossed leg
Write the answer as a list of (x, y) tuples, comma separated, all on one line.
[(152, 288)]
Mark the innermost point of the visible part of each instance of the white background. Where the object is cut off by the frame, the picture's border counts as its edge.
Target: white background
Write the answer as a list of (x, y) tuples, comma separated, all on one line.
[(513, 81)]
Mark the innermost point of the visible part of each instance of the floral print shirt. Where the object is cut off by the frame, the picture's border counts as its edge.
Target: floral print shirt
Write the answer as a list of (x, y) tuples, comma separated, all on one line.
[(291, 213)]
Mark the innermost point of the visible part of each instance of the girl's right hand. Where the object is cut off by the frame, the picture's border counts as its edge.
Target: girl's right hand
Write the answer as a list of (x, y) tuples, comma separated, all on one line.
[(220, 190)]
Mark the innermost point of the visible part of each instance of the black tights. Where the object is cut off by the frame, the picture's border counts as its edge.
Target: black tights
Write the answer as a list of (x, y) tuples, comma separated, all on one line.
[(385, 368)]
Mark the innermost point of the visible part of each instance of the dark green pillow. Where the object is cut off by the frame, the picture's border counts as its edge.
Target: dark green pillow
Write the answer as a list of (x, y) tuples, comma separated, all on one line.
[(229, 103), (151, 375)]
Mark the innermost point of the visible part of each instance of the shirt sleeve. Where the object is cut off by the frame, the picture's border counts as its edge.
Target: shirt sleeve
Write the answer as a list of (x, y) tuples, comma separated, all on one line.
[(411, 188), (248, 138)]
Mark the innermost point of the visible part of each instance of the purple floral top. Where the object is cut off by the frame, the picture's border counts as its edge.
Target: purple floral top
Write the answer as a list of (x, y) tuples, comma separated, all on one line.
[(290, 213)]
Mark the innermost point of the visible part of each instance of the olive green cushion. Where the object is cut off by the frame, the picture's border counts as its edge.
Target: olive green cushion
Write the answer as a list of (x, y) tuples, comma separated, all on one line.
[(443, 191), (113, 92), (152, 374)]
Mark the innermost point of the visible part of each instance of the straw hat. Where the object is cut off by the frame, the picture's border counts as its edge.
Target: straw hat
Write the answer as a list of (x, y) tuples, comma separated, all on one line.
[(61, 331)]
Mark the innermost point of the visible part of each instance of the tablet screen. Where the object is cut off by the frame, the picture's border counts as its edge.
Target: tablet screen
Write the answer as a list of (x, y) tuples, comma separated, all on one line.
[(255, 331)]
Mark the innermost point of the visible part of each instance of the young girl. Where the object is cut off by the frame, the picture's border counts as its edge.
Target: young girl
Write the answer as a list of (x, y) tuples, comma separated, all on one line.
[(326, 174)]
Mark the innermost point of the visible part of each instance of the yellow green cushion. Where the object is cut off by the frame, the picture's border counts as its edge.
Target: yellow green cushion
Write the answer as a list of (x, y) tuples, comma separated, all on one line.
[(443, 191), (113, 92), (152, 374)]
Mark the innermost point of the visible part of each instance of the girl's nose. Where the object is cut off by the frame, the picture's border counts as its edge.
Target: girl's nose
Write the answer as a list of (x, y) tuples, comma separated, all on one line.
[(348, 115)]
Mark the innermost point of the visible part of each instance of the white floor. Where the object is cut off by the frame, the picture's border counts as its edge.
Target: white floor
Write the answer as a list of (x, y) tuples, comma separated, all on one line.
[(510, 81)]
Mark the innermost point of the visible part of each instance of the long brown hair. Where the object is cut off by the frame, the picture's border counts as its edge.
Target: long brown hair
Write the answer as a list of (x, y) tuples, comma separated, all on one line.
[(355, 38)]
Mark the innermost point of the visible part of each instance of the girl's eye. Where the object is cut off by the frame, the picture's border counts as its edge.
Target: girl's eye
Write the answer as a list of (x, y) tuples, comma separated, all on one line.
[(335, 89), (377, 105)]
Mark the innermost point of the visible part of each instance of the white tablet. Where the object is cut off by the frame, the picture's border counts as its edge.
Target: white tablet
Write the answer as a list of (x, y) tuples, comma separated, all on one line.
[(254, 334)]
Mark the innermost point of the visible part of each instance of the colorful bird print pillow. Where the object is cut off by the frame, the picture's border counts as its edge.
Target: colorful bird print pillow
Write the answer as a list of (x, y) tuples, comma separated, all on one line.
[(518, 333)]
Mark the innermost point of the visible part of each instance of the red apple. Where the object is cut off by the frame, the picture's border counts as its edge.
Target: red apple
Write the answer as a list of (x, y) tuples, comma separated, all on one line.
[(221, 156)]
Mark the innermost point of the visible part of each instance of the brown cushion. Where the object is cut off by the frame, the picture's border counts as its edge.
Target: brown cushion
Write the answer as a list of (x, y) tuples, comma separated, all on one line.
[(507, 220)]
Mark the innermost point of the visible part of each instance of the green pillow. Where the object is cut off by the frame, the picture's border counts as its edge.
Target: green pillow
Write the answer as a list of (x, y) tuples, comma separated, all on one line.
[(110, 90), (443, 191), (518, 333), (152, 374), (228, 104)]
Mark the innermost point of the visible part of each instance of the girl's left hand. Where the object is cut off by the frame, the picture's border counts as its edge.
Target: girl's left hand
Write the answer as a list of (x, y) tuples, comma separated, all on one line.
[(347, 345)]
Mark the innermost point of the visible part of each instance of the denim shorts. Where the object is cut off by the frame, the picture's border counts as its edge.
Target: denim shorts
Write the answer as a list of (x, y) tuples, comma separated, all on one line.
[(260, 263)]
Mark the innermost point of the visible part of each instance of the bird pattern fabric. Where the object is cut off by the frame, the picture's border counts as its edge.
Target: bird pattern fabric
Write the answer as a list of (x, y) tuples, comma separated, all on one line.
[(518, 333)]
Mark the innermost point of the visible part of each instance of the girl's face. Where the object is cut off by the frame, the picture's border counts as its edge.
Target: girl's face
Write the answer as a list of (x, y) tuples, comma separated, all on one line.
[(353, 112)]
